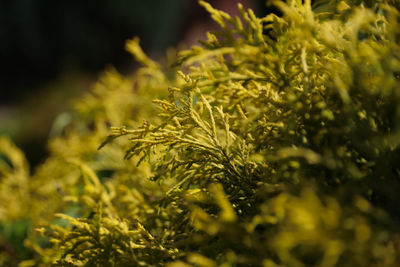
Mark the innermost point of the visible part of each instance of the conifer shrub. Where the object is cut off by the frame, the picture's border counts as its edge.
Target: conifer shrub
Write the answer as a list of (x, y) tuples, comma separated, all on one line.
[(274, 143)]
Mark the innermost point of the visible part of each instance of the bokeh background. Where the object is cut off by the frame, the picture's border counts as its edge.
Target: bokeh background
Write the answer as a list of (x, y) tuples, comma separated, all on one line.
[(52, 51)]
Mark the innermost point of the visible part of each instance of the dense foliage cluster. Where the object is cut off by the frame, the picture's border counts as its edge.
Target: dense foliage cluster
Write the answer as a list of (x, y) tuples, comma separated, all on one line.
[(274, 143)]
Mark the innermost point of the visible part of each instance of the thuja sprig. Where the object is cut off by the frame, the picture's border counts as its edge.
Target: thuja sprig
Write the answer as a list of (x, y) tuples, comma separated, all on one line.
[(273, 143)]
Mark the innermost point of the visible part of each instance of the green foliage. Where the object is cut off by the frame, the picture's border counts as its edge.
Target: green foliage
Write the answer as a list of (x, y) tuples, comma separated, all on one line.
[(275, 143)]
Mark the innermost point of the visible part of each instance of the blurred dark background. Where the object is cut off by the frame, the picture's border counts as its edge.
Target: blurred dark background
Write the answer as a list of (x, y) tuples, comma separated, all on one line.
[(52, 51)]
